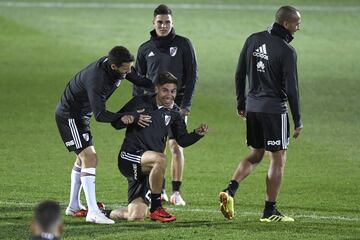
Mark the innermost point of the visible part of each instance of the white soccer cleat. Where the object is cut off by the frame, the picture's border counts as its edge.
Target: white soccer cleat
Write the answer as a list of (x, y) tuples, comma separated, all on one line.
[(98, 217), (176, 199), (164, 197)]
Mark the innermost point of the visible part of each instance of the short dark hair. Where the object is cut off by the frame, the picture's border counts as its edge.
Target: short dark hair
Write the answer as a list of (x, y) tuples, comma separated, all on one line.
[(162, 9), (286, 13), (166, 77), (47, 215), (119, 55)]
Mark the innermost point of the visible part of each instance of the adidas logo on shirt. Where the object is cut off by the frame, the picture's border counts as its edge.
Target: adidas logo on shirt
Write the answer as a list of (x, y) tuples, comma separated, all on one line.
[(261, 52), (151, 54)]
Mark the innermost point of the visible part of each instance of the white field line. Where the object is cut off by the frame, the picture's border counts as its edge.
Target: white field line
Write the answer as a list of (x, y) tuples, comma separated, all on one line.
[(197, 6), (211, 211)]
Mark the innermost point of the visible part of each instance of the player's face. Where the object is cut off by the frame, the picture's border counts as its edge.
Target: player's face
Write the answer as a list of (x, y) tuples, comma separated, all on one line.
[(124, 69), (294, 25), (162, 25), (165, 94)]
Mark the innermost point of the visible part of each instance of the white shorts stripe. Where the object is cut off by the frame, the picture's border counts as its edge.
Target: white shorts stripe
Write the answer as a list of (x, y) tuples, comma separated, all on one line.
[(284, 130), (75, 133), (72, 133), (133, 158)]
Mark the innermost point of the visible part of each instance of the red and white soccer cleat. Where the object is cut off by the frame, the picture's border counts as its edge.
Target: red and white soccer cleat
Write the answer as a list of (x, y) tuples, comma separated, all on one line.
[(162, 215), (82, 212)]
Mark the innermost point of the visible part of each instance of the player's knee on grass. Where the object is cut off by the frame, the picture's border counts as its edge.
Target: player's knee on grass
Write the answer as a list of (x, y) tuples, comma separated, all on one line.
[(137, 211)]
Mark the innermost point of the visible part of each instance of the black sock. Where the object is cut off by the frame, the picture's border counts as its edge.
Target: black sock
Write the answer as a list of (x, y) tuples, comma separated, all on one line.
[(176, 186), (107, 212), (155, 201), (232, 188), (270, 208)]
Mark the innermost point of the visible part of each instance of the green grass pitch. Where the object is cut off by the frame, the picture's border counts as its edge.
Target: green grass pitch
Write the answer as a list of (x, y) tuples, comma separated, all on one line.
[(43, 46)]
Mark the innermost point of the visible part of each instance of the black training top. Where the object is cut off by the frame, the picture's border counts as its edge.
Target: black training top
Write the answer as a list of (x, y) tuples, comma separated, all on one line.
[(270, 64), (87, 92), (174, 54), (153, 138)]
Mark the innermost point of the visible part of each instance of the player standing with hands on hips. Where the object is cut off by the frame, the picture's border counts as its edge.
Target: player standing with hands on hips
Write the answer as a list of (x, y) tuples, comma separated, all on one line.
[(270, 64)]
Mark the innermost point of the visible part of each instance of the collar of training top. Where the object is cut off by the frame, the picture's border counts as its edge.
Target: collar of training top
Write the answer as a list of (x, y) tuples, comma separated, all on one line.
[(163, 42), (280, 31)]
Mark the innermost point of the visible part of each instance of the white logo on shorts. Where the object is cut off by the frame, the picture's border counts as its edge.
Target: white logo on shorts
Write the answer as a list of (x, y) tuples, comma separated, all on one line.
[(70, 143), (274, 143), (86, 136), (135, 171)]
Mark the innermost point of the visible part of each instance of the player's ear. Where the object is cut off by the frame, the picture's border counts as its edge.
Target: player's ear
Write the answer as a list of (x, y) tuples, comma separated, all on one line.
[(156, 89), (113, 66)]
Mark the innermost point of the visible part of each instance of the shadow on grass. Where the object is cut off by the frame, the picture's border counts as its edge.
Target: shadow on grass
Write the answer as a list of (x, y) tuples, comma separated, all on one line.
[(83, 228)]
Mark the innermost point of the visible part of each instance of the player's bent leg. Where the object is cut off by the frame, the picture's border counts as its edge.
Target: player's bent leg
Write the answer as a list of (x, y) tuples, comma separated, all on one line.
[(119, 214), (154, 163), (248, 164), (137, 210)]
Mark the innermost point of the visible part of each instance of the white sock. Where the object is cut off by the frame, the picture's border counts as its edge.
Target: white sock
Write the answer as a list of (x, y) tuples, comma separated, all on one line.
[(75, 187), (88, 183)]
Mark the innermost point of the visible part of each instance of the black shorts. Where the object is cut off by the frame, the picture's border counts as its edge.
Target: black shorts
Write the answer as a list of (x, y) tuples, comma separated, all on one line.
[(75, 133), (267, 130), (138, 182)]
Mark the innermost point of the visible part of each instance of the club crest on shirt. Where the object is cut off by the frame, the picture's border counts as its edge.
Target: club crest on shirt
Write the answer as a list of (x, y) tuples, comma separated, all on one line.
[(167, 119), (173, 51), (86, 136)]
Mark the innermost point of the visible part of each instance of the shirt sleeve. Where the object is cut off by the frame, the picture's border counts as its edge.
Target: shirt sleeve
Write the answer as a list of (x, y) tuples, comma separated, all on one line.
[(141, 68), (190, 73), (240, 79), (291, 84), (183, 138), (129, 107), (138, 80), (97, 97)]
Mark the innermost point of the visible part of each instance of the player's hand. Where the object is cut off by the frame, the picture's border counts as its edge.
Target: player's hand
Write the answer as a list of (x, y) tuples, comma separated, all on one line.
[(127, 119), (297, 132), (144, 120), (202, 129), (184, 112), (242, 114)]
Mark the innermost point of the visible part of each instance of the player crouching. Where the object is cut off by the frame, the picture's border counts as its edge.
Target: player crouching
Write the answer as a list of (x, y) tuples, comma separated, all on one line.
[(141, 159)]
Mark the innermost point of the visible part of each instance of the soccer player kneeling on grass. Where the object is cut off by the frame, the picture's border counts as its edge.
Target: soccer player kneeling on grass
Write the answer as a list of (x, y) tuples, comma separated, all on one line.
[(141, 158)]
